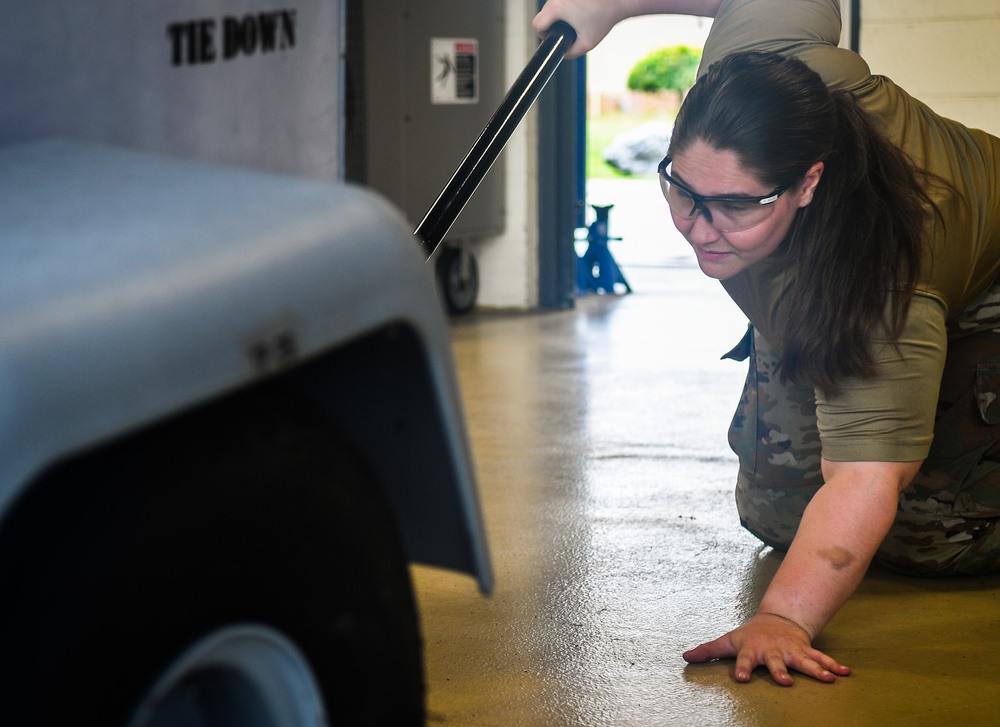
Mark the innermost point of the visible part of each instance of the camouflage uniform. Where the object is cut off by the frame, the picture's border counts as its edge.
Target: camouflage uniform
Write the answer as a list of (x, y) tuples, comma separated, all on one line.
[(947, 518)]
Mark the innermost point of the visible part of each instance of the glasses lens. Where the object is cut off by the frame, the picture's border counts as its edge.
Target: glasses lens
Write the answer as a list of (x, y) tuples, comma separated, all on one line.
[(681, 203), (724, 216), (736, 216)]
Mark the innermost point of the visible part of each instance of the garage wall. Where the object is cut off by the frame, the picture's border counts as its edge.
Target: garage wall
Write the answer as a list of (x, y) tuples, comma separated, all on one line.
[(508, 264), (944, 53)]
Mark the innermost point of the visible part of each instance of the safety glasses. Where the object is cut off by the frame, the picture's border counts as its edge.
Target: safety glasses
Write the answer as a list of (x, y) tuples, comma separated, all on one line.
[(726, 214)]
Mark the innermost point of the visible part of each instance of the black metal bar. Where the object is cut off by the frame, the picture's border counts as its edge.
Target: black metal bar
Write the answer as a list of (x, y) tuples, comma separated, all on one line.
[(856, 26), (443, 213)]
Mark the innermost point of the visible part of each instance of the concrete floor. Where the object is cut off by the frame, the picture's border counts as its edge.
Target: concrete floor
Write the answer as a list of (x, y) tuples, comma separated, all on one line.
[(600, 441)]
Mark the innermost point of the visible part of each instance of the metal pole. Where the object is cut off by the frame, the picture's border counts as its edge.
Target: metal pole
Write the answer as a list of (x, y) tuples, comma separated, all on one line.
[(450, 203)]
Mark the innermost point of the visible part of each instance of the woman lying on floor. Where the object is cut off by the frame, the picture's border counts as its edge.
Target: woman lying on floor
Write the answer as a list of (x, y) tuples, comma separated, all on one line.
[(860, 233)]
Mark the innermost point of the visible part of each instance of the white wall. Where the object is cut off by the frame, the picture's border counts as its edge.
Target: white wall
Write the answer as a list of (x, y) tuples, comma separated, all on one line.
[(508, 264), (944, 52)]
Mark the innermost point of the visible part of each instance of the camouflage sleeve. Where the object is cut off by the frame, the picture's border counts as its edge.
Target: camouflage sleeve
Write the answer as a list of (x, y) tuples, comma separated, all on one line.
[(890, 418), (806, 29)]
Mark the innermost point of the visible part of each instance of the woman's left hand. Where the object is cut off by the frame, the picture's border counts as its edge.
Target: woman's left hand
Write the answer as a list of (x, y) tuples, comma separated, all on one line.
[(772, 641)]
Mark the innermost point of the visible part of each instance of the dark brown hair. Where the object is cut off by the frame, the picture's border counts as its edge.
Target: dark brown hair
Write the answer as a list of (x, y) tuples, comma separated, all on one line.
[(855, 251)]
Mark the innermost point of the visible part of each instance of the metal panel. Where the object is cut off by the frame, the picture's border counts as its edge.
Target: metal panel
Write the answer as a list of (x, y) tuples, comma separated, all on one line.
[(413, 143), (255, 83)]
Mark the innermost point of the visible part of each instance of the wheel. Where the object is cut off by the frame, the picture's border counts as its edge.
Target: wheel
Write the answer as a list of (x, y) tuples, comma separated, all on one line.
[(239, 675), (458, 276), (253, 541)]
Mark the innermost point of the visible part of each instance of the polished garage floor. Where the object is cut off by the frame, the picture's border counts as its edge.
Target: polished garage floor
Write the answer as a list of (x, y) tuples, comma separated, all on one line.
[(606, 481)]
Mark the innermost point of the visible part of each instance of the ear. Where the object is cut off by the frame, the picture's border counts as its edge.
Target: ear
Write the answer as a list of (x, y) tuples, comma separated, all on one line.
[(809, 182)]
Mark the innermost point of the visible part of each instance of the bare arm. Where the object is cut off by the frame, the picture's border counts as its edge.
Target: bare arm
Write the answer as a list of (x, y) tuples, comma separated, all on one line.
[(840, 531), (592, 19)]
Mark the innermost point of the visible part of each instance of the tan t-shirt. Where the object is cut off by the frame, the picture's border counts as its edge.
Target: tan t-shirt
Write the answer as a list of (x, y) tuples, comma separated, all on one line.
[(889, 417)]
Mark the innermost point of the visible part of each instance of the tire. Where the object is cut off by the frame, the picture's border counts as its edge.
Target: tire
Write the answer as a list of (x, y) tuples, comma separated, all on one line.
[(458, 276), (247, 675), (112, 570)]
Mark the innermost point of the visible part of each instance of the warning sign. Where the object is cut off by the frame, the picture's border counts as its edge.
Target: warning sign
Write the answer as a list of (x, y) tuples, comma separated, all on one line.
[(454, 70)]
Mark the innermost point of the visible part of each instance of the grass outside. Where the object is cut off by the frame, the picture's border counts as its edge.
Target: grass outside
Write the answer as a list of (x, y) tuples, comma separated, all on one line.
[(601, 130)]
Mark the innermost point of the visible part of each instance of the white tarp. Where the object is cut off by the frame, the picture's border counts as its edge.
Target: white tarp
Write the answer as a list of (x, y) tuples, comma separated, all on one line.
[(255, 83)]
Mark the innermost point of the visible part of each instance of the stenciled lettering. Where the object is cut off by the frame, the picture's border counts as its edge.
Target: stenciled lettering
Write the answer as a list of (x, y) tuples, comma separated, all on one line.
[(194, 41)]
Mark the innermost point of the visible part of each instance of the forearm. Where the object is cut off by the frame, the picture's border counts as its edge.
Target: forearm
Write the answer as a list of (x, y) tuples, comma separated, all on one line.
[(618, 10), (840, 532), (704, 8), (592, 19)]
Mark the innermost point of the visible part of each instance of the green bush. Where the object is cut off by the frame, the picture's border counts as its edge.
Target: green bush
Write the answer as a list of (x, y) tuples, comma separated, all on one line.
[(666, 69)]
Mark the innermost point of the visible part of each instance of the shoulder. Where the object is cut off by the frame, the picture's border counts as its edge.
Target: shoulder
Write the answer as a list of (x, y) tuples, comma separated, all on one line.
[(806, 29)]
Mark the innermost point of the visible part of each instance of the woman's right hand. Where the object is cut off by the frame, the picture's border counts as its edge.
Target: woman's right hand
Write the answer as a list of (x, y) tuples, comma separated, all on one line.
[(591, 19)]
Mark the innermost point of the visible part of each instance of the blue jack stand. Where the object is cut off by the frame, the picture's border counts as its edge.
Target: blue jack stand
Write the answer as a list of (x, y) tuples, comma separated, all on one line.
[(596, 269)]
